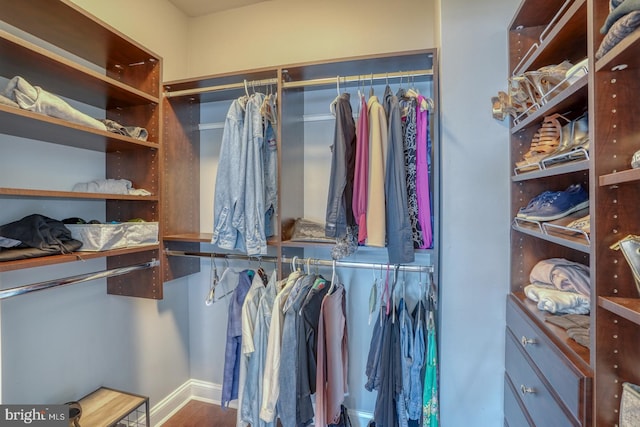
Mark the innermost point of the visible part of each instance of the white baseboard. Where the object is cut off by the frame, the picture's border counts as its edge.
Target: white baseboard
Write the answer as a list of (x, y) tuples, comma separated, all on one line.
[(211, 393)]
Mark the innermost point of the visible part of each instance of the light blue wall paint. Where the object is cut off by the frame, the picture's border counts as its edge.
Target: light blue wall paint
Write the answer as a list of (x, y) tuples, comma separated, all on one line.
[(475, 209)]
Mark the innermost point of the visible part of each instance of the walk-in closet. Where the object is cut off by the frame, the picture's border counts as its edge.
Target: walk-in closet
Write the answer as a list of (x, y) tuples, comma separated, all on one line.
[(189, 200)]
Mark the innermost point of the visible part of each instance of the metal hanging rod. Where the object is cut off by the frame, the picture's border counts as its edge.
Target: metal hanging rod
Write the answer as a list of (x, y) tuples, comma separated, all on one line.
[(312, 261), (358, 78), (12, 292), (302, 83), (229, 86)]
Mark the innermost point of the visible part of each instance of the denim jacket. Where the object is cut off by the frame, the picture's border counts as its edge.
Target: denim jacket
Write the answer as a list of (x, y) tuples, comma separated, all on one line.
[(227, 191), (239, 212)]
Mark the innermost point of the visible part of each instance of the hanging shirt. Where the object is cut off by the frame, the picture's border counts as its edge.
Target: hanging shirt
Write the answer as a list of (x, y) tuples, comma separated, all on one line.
[(249, 312), (422, 174), (231, 377), (253, 389), (408, 107), (376, 217), (361, 173), (398, 227), (340, 197), (288, 401), (333, 354), (271, 384), (307, 348)]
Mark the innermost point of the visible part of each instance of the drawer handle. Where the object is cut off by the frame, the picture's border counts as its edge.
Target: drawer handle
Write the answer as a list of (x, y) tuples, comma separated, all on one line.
[(526, 390), (524, 340)]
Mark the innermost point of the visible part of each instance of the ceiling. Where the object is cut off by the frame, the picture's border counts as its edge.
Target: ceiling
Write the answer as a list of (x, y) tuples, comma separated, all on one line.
[(195, 8)]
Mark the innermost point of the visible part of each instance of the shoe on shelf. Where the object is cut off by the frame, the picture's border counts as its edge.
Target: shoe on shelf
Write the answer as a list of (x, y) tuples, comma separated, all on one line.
[(581, 224), (545, 141), (535, 202), (560, 204)]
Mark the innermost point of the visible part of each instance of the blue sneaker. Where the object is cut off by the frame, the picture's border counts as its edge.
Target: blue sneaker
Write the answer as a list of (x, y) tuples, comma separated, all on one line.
[(560, 204), (535, 202)]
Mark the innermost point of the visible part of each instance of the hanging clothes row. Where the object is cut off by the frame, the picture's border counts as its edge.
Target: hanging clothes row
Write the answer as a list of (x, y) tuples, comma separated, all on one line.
[(245, 196), (402, 364), (379, 190), (287, 342), (298, 323)]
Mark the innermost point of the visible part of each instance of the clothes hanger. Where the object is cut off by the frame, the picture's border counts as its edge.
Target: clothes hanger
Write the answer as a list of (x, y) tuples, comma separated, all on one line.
[(334, 278), (373, 295), (214, 282), (332, 106), (371, 93)]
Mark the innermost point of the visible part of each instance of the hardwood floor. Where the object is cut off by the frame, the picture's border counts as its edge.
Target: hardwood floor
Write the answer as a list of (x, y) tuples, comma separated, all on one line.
[(201, 414)]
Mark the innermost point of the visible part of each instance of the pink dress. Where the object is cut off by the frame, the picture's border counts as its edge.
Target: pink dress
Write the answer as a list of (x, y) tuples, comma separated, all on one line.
[(422, 174)]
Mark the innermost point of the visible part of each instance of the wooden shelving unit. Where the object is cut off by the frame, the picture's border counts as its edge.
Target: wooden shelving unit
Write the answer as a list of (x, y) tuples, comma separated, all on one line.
[(71, 54), (183, 103), (542, 34)]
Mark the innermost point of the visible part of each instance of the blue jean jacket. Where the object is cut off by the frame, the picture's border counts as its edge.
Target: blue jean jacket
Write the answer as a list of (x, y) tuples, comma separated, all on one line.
[(239, 201)]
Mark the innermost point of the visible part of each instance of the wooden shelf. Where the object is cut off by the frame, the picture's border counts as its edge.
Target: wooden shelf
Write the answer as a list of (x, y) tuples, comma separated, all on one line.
[(566, 40), (65, 78), (105, 407), (627, 308), (75, 256), (26, 124), (189, 237), (560, 169), (573, 242), (629, 175), (67, 26), (22, 192), (575, 96), (624, 53)]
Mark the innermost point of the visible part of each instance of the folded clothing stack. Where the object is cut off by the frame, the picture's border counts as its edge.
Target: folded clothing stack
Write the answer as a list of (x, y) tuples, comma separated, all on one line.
[(560, 286), (623, 19), (37, 236)]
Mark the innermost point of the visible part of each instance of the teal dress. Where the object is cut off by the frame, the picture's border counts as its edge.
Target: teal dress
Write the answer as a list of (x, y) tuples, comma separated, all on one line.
[(430, 407)]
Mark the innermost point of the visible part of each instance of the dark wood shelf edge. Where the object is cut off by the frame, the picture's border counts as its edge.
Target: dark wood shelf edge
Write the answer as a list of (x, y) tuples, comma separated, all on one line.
[(554, 239), (66, 258), (59, 124), (627, 308), (629, 175), (561, 169), (25, 192), (620, 53), (578, 354)]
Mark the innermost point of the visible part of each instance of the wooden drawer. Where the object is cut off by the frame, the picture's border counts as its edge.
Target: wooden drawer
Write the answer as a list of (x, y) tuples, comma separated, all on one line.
[(514, 411), (538, 400), (565, 379)]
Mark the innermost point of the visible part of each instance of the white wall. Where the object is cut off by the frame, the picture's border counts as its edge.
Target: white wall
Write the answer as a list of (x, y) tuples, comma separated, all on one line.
[(156, 24), (290, 31), (475, 209)]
